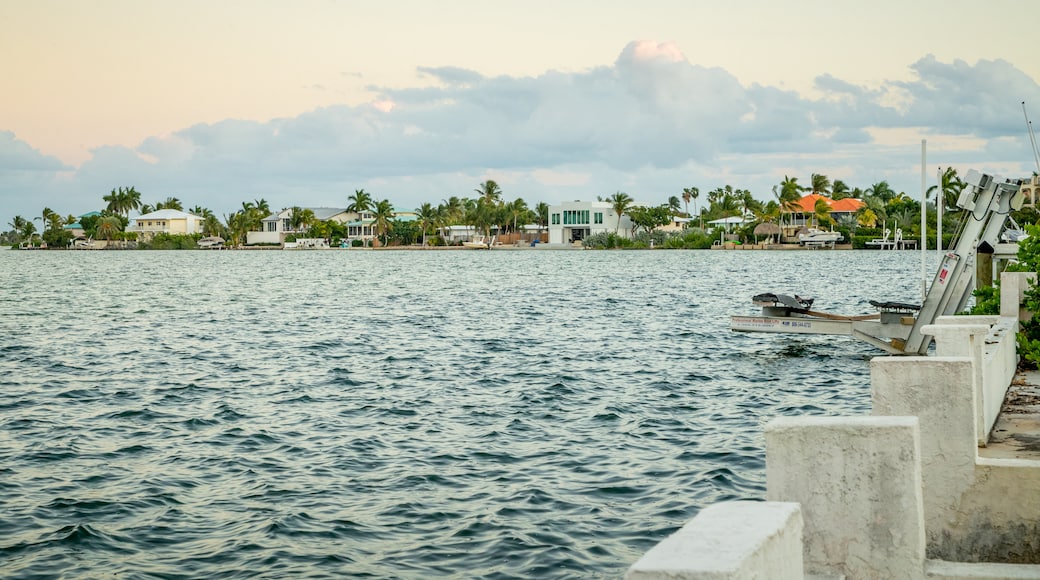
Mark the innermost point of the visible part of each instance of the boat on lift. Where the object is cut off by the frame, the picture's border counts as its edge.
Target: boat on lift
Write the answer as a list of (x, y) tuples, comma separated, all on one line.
[(896, 326), (818, 237)]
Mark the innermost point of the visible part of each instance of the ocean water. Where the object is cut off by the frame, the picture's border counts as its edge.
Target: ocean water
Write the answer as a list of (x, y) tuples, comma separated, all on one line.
[(391, 414)]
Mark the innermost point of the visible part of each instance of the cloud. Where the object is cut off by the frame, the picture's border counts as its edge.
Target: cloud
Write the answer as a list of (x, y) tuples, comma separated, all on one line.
[(650, 124), (451, 75), (18, 156)]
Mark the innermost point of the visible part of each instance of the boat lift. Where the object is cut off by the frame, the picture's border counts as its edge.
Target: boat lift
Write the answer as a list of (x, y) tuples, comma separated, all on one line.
[(896, 327)]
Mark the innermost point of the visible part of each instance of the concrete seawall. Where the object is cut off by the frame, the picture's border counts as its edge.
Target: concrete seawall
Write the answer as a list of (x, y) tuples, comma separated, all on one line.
[(907, 492)]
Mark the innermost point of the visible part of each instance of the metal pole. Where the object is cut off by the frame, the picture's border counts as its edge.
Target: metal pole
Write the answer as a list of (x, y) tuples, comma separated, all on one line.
[(924, 223), (940, 201), (1032, 138)]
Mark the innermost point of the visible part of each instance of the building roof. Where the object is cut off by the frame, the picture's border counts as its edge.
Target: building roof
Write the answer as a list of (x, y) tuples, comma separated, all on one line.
[(848, 205), (731, 220), (167, 214), (320, 213)]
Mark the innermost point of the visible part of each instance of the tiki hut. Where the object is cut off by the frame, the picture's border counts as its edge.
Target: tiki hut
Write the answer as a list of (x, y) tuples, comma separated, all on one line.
[(767, 229)]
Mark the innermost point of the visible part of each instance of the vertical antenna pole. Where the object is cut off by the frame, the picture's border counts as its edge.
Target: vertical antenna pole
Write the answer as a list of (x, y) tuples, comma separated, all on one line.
[(924, 222), (940, 201), (1032, 138)]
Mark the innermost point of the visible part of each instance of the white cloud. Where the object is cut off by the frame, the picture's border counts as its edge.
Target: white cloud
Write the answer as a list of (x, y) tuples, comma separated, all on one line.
[(650, 124)]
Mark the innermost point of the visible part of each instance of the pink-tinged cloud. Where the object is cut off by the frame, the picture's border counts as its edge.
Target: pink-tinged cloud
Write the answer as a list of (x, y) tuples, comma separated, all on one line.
[(648, 51)]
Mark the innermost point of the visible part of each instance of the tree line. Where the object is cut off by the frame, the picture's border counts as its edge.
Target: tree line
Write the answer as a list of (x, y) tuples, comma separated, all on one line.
[(487, 209)]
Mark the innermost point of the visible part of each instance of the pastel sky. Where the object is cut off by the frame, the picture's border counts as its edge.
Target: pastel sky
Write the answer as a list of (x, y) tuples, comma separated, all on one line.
[(301, 102)]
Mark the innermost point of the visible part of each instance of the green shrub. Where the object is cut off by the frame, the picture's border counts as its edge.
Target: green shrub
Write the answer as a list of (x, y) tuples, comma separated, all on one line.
[(606, 241), (987, 300)]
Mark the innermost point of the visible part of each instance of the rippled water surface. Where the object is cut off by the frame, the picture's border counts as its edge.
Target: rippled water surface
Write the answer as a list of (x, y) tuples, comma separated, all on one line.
[(524, 414)]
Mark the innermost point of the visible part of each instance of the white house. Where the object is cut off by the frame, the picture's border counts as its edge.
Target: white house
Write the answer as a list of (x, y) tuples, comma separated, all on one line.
[(166, 221), (275, 226), (576, 220), (362, 226)]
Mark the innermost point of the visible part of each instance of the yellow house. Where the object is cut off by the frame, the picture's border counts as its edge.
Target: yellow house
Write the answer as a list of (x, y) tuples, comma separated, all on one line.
[(167, 221)]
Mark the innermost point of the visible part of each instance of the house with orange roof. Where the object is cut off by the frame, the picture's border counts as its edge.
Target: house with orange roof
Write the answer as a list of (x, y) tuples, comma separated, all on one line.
[(805, 208)]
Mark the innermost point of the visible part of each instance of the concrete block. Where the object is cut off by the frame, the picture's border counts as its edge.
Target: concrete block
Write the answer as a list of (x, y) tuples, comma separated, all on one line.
[(939, 391), (1013, 286), (858, 480), (727, 541), (965, 339)]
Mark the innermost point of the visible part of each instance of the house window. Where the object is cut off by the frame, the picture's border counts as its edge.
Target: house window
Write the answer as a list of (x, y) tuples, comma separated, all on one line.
[(599, 217), (285, 224), (272, 226), (556, 219), (573, 217)]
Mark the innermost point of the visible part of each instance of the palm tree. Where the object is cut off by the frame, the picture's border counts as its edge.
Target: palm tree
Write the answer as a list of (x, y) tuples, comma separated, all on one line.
[(876, 207), (482, 214), (426, 216), (822, 211), (131, 200), (688, 193), (673, 205), (787, 196), (55, 221), (360, 202), (882, 191), (308, 220), (296, 218), (17, 225), (108, 227), (489, 191), (748, 203), (518, 212), (866, 217), (693, 193), (45, 218), (122, 200), (542, 214), (28, 230), (820, 184), (839, 190), (238, 224), (211, 225), (383, 224), (452, 210), (262, 207), (170, 203), (620, 202), (951, 187)]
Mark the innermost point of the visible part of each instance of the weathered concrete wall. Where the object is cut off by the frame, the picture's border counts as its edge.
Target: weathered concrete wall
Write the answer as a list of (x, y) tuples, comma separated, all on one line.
[(939, 392), (998, 518), (975, 509), (858, 480), (729, 541), (1013, 286)]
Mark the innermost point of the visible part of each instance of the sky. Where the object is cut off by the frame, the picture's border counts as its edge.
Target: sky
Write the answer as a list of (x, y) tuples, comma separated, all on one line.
[(303, 102)]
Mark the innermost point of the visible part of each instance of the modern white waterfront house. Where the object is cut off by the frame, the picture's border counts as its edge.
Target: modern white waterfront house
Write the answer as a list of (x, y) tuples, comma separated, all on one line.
[(276, 226), (576, 220), (166, 221)]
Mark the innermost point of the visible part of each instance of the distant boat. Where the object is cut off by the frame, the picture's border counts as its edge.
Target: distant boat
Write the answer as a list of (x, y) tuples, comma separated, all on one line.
[(478, 243), (211, 243), (816, 237)]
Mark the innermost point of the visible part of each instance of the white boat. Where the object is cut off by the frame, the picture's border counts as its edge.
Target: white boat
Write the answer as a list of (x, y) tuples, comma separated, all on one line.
[(816, 236), (210, 243), (478, 243)]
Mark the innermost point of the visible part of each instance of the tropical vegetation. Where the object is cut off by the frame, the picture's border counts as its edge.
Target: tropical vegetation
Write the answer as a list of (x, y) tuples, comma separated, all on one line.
[(487, 210)]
